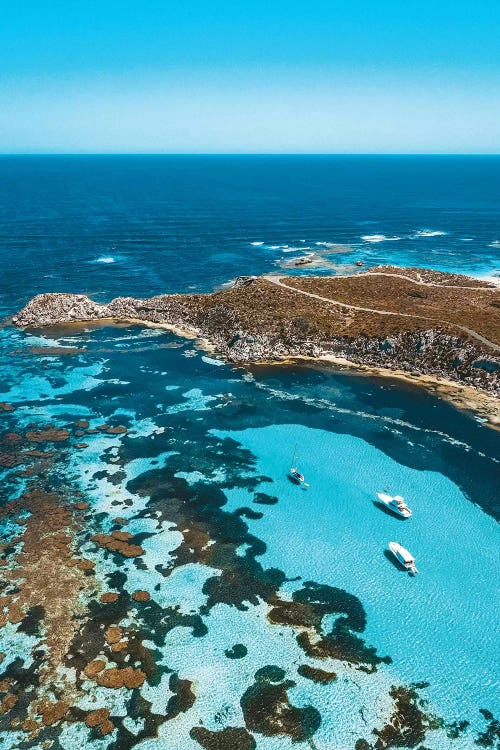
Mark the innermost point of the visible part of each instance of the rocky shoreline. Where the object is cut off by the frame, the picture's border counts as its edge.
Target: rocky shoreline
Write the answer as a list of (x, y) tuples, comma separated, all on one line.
[(257, 320)]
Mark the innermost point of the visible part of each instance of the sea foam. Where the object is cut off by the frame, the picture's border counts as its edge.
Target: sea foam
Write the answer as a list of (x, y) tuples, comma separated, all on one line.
[(428, 233), (378, 238)]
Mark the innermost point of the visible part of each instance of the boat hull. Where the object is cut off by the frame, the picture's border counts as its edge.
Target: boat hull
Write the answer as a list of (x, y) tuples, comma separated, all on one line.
[(387, 501), (403, 557), (295, 476)]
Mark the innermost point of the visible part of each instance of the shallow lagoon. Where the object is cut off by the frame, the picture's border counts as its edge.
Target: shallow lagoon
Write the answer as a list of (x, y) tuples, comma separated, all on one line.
[(435, 625)]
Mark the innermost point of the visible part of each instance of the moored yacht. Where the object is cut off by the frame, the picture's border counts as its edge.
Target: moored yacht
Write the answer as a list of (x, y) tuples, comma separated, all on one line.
[(296, 476), (404, 557), (396, 504)]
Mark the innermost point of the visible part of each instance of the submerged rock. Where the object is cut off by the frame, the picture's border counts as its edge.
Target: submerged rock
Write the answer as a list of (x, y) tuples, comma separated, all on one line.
[(116, 545), (141, 596), (106, 727), (116, 678), (8, 703), (51, 713), (81, 423), (94, 718), (113, 634), (108, 597), (94, 667), (49, 435), (119, 430)]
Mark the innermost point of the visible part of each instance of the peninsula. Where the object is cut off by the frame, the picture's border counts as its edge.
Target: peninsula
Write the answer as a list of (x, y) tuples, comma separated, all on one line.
[(416, 321)]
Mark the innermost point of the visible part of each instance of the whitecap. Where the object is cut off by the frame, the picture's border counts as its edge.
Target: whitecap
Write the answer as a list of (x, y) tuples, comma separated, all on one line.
[(256, 244), (378, 238), (495, 243), (428, 233), (104, 259)]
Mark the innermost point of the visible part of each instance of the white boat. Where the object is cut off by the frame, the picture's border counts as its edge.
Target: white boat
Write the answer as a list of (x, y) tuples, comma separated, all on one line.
[(296, 476), (404, 557), (396, 504)]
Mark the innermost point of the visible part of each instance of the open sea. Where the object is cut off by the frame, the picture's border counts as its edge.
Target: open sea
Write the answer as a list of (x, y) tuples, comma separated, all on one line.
[(254, 583)]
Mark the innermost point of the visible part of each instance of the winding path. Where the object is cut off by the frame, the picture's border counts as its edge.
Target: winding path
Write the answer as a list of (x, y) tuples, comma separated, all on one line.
[(278, 280), (421, 282)]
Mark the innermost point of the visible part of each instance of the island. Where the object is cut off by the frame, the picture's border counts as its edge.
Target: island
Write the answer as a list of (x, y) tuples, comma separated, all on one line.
[(413, 322)]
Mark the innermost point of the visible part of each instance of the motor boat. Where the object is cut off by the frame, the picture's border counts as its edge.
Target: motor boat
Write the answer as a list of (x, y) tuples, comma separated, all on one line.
[(403, 557), (396, 504)]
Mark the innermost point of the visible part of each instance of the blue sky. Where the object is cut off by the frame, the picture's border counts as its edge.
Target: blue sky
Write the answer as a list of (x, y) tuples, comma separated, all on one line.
[(363, 76)]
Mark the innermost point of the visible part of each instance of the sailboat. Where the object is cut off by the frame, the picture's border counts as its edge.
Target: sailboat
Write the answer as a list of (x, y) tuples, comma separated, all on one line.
[(294, 474)]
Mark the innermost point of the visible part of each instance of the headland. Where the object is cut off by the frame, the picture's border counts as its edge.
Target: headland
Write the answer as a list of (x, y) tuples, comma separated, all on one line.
[(426, 325)]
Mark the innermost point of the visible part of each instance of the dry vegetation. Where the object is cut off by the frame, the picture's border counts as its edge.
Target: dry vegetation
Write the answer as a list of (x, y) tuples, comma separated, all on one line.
[(477, 309), (265, 307), (428, 276)]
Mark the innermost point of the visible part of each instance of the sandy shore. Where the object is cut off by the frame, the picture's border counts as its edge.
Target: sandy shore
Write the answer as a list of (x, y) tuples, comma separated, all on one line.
[(463, 397)]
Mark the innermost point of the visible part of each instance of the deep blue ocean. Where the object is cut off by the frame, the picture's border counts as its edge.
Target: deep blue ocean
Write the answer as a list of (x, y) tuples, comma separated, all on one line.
[(208, 446), (170, 224)]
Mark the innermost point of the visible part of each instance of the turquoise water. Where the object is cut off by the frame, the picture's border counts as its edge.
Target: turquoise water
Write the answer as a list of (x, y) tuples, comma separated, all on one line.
[(334, 532), (200, 473)]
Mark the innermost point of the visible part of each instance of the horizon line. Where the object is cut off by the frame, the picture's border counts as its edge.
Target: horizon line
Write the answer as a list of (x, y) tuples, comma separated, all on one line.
[(4, 154)]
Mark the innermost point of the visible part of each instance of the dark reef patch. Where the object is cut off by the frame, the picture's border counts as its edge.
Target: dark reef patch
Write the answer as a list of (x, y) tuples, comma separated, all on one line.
[(270, 673), (491, 735), (409, 722), (33, 621), (262, 498), (268, 711), (183, 697), (249, 513), (306, 611), (455, 728), (238, 651), (199, 512), (230, 738), (316, 675)]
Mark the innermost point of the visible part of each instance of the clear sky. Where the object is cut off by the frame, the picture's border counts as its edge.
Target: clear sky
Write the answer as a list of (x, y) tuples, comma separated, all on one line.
[(327, 76)]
